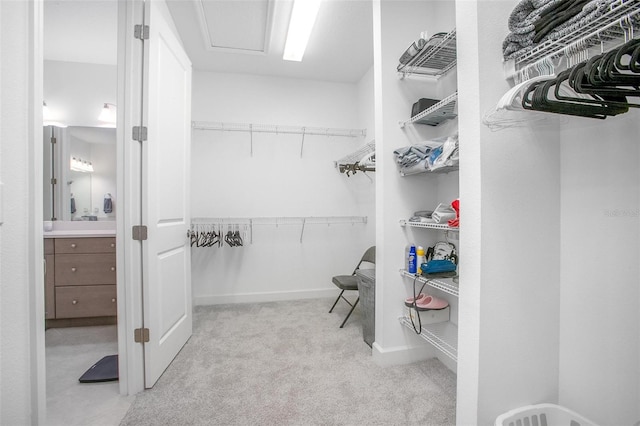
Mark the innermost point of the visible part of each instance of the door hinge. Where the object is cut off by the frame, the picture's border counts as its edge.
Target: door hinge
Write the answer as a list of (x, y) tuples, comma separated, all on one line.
[(141, 335), (141, 32), (53, 140), (139, 232), (54, 181), (139, 133)]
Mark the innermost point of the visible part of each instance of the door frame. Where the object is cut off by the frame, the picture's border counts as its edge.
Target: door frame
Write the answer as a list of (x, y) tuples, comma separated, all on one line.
[(128, 251)]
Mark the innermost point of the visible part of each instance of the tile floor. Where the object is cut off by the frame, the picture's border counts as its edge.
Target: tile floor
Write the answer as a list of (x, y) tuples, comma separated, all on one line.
[(69, 353)]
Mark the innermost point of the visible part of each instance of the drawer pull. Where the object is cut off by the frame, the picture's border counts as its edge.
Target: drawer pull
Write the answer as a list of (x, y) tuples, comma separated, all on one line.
[(113, 268), (74, 302), (73, 245), (74, 269), (113, 300), (113, 245)]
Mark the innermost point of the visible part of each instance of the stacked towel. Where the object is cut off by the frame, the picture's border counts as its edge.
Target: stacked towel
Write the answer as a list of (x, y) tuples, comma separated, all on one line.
[(535, 21), (428, 155)]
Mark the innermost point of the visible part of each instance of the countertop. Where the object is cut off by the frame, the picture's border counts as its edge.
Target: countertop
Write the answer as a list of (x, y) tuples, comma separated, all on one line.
[(80, 233)]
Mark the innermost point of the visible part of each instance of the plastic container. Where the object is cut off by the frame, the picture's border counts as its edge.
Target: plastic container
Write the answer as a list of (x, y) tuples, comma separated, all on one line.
[(367, 293), (542, 415), (420, 259), (413, 265)]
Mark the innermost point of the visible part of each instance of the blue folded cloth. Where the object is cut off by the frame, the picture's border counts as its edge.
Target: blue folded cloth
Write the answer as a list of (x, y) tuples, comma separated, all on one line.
[(438, 266)]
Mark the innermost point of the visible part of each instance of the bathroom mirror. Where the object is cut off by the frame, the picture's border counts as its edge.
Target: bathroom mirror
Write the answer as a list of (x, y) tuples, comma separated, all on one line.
[(80, 173), (79, 111)]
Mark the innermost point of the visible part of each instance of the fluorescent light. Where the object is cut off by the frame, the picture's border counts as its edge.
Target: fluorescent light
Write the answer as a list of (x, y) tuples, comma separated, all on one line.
[(303, 17), (108, 114)]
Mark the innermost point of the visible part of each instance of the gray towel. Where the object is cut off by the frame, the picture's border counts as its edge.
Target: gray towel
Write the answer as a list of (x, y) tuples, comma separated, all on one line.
[(108, 204)]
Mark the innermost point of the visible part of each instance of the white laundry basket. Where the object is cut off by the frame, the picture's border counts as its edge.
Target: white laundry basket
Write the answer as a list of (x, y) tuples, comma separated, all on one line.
[(542, 415)]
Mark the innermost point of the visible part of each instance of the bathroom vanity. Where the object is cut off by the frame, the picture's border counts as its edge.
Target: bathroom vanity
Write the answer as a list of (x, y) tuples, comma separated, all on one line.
[(80, 277)]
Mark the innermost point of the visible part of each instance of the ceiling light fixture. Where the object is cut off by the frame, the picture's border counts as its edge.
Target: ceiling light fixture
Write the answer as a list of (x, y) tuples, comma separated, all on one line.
[(303, 17), (108, 114)]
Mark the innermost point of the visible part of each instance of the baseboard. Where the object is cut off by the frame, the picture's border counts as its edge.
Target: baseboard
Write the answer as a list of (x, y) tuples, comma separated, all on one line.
[(398, 355), (275, 296)]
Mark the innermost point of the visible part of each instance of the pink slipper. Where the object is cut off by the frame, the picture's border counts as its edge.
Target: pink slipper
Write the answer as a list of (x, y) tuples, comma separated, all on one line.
[(431, 303), (409, 300)]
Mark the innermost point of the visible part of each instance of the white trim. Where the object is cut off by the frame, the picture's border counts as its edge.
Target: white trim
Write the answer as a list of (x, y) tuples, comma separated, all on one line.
[(274, 296), (131, 365), (398, 355), (36, 250)]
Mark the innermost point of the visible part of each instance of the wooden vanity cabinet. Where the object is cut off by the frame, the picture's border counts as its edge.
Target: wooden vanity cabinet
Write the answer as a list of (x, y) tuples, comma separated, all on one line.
[(80, 280)]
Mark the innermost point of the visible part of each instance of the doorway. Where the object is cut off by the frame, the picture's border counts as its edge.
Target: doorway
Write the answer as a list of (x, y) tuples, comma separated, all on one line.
[(80, 205)]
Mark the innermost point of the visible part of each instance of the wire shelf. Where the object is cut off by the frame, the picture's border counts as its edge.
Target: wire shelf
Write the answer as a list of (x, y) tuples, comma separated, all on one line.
[(358, 155), (436, 61), (278, 129), (436, 114), (606, 28), (436, 171), (443, 284), (440, 226), (443, 335), (301, 221)]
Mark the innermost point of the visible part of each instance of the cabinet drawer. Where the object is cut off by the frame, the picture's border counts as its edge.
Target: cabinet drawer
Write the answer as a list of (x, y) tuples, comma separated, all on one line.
[(85, 269), (85, 245), (49, 287), (48, 246), (86, 301)]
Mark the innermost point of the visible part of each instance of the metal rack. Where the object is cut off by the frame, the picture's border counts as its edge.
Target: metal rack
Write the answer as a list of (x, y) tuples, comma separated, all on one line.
[(351, 162), (277, 221), (440, 226), (278, 129), (443, 284), (436, 61), (436, 114), (610, 27), (444, 336)]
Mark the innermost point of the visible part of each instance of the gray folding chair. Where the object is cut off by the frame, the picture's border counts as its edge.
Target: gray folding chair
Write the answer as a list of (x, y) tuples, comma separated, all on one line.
[(350, 282)]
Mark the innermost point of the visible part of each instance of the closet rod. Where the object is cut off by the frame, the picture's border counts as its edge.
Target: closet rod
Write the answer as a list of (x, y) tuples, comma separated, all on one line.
[(279, 220), (277, 129), (604, 29), (301, 220)]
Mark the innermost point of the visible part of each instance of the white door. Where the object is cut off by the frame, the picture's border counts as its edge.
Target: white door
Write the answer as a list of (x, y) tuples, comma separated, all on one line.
[(165, 193)]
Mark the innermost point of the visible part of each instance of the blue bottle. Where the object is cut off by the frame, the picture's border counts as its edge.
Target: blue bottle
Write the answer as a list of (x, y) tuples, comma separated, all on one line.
[(412, 260)]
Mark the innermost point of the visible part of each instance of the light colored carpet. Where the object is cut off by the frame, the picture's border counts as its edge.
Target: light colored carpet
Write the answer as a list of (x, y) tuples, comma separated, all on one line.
[(288, 363)]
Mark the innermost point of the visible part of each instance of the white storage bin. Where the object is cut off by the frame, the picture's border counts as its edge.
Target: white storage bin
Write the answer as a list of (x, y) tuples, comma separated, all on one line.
[(542, 415)]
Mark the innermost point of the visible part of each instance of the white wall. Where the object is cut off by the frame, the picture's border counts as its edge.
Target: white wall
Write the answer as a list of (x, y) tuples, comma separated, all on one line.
[(510, 185), (21, 307), (76, 92), (599, 316), (396, 25), (545, 316), (275, 182)]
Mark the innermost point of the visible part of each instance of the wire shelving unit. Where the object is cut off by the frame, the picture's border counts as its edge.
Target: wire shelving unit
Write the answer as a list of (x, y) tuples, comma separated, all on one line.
[(443, 335), (444, 110), (433, 61)]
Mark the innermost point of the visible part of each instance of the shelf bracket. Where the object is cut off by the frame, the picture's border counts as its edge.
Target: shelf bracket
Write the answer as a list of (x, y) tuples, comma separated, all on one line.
[(304, 130), (251, 138), (304, 221)]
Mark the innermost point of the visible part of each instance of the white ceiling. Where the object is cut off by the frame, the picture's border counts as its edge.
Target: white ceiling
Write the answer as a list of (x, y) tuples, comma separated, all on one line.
[(340, 47), (242, 36)]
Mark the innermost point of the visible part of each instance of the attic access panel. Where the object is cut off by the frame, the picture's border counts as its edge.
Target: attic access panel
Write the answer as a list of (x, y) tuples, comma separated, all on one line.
[(236, 26)]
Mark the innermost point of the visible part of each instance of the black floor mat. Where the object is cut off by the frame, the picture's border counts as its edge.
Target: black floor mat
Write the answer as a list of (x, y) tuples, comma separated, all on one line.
[(105, 370)]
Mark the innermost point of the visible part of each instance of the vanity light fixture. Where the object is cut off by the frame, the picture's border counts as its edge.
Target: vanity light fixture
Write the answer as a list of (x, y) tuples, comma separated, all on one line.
[(303, 17), (78, 165), (46, 114), (108, 114), (46, 117)]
